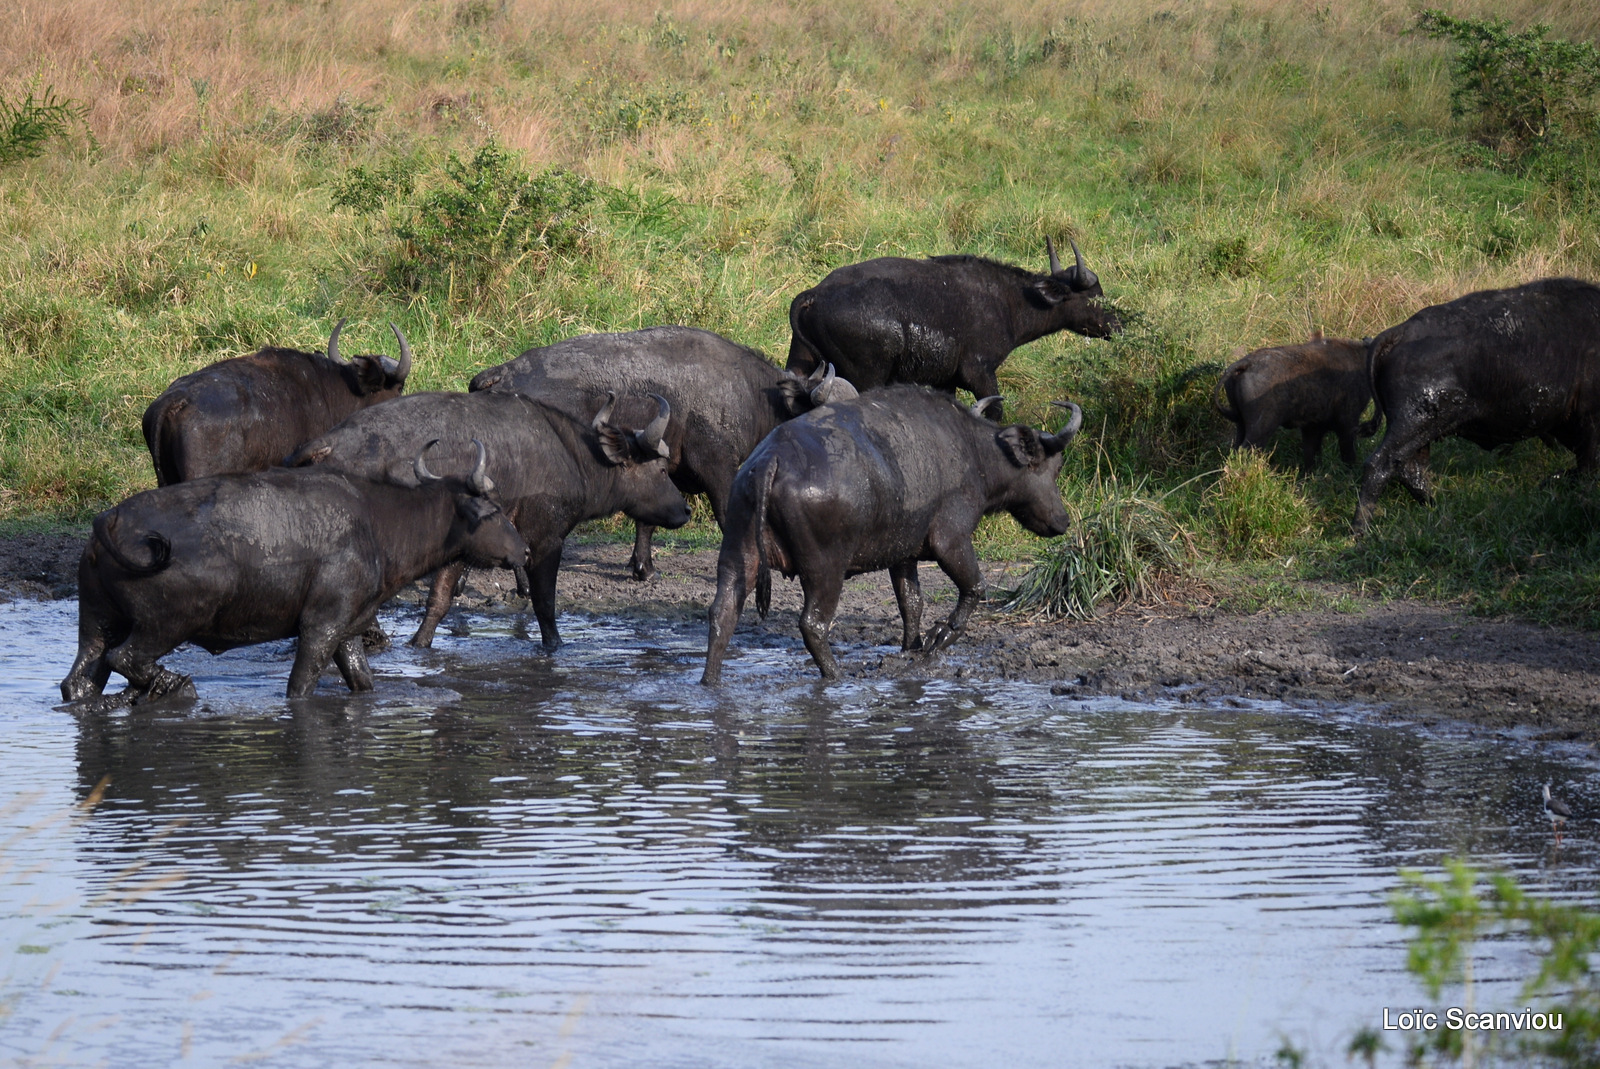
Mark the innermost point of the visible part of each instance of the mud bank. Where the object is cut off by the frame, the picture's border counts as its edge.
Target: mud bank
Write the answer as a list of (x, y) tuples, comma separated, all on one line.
[(1416, 661)]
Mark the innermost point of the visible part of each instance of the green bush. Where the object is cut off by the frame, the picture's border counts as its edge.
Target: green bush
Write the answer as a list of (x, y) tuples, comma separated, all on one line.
[(1258, 511), (480, 219), (26, 127), (1523, 89)]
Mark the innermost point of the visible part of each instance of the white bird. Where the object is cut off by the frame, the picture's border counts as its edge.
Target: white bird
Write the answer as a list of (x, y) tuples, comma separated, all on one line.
[(1557, 810)]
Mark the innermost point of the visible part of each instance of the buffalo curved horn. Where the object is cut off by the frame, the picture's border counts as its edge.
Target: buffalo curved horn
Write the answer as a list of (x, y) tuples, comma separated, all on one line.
[(404, 367), (1055, 261), (832, 388), (424, 476), (602, 417), (652, 438), (819, 372), (479, 480), (1085, 276), (333, 340), (1058, 441), (981, 406)]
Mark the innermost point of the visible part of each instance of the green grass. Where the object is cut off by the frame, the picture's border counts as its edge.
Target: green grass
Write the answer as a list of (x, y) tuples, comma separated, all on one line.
[(1238, 176)]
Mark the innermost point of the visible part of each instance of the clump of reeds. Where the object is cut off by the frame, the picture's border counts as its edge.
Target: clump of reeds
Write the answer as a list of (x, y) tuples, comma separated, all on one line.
[(1124, 545)]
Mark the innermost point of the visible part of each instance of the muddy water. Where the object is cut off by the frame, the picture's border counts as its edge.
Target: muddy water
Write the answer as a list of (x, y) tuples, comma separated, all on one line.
[(589, 860)]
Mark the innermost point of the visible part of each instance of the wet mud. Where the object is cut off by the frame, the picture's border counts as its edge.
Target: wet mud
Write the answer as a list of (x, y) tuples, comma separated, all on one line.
[(1410, 660)]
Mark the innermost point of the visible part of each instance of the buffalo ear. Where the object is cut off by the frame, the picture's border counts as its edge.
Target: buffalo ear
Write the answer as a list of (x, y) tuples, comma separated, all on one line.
[(316, 456), (617, 446), (1049, 290), (370, 373), (1021, 446), (794, 395)]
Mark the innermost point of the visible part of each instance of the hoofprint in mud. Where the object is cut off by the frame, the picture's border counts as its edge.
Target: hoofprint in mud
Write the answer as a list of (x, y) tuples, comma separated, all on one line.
[(1412, 660)]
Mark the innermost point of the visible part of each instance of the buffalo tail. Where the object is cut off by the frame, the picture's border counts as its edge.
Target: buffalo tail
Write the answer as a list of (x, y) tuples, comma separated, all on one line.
[(159, 547), (764, 570), (1219, 396), (1376, 347)]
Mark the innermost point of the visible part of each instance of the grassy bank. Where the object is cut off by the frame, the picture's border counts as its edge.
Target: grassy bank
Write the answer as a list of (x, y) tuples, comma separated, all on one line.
[(1237, 174)]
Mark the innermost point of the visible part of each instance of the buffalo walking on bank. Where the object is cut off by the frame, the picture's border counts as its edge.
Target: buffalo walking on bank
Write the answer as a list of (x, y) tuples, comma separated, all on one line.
[(896, 476), (1493, 367), (945, 322)]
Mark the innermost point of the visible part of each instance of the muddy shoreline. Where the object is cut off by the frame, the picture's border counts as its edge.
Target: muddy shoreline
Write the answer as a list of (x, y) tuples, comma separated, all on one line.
[(1411, 660)]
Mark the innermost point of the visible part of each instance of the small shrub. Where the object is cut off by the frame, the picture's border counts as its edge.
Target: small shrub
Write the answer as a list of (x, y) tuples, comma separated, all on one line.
[(26, 127), (1522, 89), (483, 219), (1229, 258), (1123, 546), (1259, 512)]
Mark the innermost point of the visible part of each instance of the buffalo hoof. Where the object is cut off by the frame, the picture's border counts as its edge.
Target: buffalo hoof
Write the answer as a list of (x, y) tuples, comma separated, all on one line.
[(77, 688), (374, 639), (168, 686), (97, 704), (550, 645), (641, 572), (938, 637)]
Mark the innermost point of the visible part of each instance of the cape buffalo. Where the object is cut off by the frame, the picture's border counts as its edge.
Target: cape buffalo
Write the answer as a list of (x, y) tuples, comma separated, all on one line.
[(553, 470), (1493, 367), (247, 413), (1319, 386), (896, 476), (233, 560), (725, 398), (945, 322)]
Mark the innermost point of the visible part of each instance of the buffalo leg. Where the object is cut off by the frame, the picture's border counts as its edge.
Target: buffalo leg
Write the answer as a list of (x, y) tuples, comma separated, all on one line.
[(908, 593), (136, 660), (89, 673), (440, 597), (816, 618), (1311, 448), (980, 379), (960, 562), (736, 571), (542, 590), (1413, 475), (1396, 453), (351, 657), (1347, 445), (317, 647), (642, 564)]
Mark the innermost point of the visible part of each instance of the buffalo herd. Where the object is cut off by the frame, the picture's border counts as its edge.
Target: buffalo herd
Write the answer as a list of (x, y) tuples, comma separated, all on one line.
[(297, 492)]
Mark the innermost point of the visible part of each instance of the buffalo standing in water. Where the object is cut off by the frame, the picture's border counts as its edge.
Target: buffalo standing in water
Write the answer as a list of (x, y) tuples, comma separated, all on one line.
[(725, 398), (233, 560), (554, 469), (1493, 367), (894, 477), (248, 413), (1318, 387), (945, 322)]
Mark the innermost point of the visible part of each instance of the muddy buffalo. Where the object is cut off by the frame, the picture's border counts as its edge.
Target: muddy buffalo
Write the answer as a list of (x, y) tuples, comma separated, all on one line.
[(945, 322), (247, 413), (234, 560), (896, 476), (1318, 387), (725, 398), (1493, 367), (553, 470)]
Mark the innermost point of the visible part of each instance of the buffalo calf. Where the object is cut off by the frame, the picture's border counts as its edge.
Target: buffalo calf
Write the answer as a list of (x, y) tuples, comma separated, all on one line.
[(1493, 367), (896, 476), (1319, 386), (238, 559)]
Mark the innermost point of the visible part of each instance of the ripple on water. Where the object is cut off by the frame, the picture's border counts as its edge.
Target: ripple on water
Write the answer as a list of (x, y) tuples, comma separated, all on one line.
[(504, 855)]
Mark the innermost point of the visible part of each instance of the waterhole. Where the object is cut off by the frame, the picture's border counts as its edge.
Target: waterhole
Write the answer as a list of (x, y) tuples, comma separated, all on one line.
[(506, 858)]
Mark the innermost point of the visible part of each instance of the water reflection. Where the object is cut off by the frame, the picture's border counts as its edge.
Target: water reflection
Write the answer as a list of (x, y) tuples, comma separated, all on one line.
[(501, 855)]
